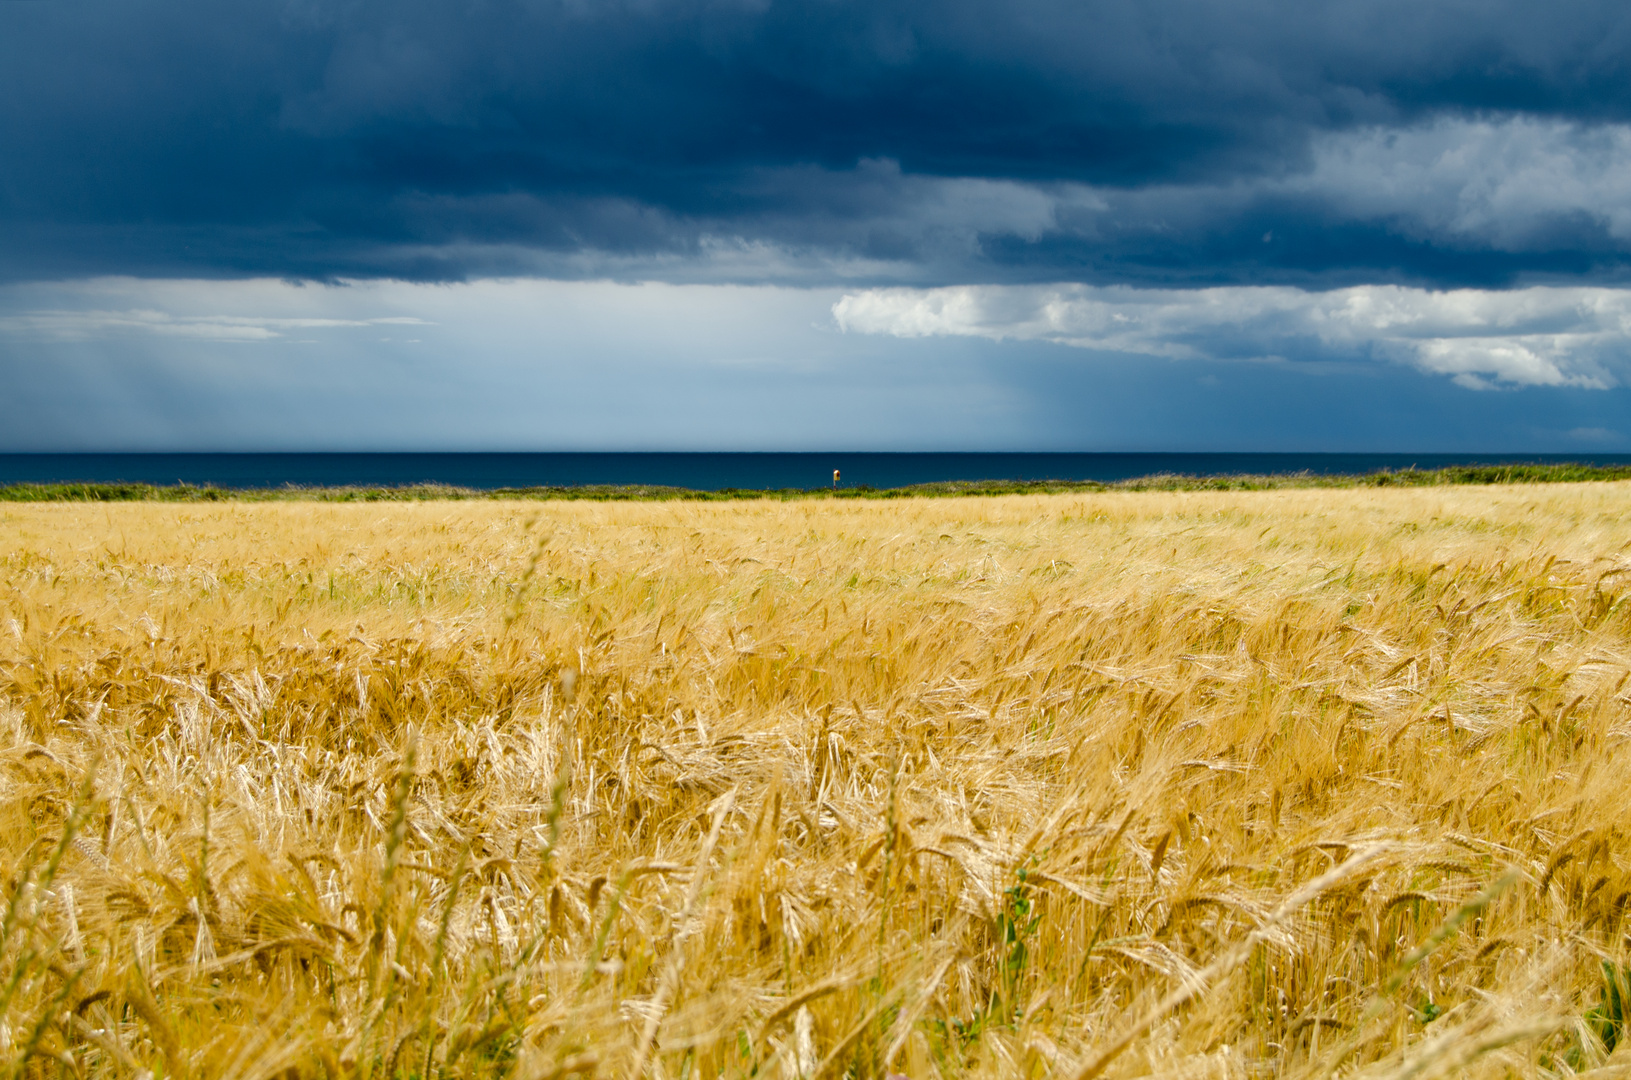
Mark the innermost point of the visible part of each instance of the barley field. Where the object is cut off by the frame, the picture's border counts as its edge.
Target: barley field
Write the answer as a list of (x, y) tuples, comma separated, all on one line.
[(1292, 784)]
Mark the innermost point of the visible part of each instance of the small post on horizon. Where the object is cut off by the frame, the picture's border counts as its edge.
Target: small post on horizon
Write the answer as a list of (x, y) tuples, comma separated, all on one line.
[(835, 479)]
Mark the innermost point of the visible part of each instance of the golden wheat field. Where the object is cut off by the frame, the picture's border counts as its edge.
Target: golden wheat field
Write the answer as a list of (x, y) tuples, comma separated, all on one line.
[(1276, 784)]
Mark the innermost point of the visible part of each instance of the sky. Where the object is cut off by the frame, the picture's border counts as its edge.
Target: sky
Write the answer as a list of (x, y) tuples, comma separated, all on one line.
[(763, 225)]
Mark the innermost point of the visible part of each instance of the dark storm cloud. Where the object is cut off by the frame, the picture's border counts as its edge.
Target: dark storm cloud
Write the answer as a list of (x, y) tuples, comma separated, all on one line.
[(1139, 140)]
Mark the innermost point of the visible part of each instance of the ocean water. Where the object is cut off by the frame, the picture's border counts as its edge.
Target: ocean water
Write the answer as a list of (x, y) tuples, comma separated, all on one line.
[(699, 471)]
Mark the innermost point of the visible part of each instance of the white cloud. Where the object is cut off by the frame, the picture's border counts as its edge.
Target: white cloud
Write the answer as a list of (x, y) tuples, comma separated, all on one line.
[(519, 364), (1507, 183), (1511, 184), (1504, 182), (1526, 337), (88, 325)]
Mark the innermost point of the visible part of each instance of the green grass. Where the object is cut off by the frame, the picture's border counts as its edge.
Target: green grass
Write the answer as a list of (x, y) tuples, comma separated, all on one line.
[(1562, 472)]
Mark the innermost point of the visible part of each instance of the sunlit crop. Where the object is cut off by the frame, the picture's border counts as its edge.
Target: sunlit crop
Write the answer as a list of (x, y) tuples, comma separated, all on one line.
[(1284, 783)]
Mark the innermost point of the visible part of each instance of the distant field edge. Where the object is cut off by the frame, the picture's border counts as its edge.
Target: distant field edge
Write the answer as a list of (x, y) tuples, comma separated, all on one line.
[(1536, 473)]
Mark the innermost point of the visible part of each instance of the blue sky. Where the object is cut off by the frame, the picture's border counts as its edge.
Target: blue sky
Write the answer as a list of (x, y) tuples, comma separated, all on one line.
[(553, 224)]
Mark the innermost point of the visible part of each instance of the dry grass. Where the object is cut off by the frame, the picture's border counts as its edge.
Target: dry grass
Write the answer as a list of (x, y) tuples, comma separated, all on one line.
[(1299, 783)]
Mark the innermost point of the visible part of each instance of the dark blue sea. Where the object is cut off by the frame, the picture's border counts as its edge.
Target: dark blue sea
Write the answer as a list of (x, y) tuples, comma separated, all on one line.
[(705, 472)]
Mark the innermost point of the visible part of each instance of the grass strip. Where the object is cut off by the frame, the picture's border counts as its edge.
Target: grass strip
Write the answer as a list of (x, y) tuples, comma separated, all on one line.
[(1523, 473)]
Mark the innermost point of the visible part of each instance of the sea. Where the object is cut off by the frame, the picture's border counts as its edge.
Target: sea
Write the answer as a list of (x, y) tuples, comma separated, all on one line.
[(700, 471)]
